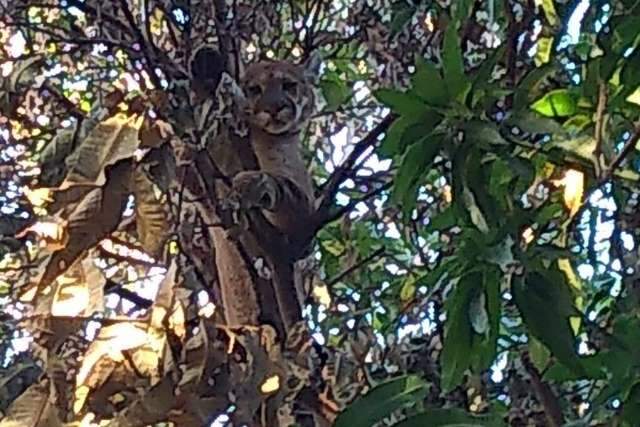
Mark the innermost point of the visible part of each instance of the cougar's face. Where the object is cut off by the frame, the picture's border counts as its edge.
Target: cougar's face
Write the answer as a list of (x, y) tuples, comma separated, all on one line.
[(279, 97)]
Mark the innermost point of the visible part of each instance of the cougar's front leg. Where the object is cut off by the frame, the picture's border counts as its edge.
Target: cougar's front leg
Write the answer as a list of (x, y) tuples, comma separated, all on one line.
[(285, 205)]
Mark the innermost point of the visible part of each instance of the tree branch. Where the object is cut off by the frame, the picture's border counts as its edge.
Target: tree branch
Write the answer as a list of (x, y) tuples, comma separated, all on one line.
[(544, 394), (356, 266), (330, 188), (599, 128), (330, 217), (626, 150)]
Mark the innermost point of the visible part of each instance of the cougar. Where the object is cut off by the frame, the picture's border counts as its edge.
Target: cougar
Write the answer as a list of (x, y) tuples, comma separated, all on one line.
[(277, 105)]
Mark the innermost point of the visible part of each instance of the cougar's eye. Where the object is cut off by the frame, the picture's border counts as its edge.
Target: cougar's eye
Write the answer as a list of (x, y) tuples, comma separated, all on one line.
[(254, 90), (289, 86)]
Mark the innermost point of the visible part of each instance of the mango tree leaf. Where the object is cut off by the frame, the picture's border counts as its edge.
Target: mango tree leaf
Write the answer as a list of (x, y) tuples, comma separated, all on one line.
[(483, 133), (112, 140), (456, 349), (546, 308), (403, 103), (34, 407), (405, 131), (631, 406), (428, 84), (414, 164), (529, 86), (629, 74), (484, 343), (381, 401), (401, 16), (557, 103), (539, 354), (453, 66), (91, 220), (450, 418), (463, 8), (335, 92)]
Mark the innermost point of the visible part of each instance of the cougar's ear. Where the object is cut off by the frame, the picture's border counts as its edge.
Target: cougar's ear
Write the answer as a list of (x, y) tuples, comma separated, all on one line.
[(312, 66)]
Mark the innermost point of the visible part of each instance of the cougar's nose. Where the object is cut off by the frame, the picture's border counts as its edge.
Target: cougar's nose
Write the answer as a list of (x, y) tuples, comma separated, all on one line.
[(272, 100)]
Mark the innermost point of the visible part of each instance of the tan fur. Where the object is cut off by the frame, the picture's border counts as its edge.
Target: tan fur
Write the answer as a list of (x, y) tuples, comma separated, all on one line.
[(279, 102)]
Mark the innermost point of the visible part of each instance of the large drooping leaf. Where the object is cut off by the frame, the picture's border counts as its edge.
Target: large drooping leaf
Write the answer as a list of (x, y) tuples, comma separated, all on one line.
[(415, 163), (91, 220), (457, 82), (456, 353), (113, 139), (485, 337), (381, 401), (406, 130), (450, 418), (530, 86), (335, 92), (428, 84), (543, 303), (152, 217), (33, 408), (531, 122), (403, 103), (80, 291)]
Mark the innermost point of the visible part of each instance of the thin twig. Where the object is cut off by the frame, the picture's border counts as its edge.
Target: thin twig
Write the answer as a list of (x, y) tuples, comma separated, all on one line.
[(144, 44), (544, 394), (333, 183), (626, 150), (356, 266), (599, 128), (332, 216)]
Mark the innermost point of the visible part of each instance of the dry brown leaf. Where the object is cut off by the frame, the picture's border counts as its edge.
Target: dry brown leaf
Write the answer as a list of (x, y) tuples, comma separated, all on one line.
[(32, 409), (112, 140), (93, 218), (151, 215)]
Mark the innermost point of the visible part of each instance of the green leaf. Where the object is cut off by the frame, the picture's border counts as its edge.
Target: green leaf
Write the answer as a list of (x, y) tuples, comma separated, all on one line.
[(381, 401), (530, 122), (443, 220), (414, 164), (406, 131), (557, 103), (456, 349), (629, 75), (408, 289), (528, 87), (484, 73), (539, 354), (625, 32), (577, 123), (400, 18), (545, 307), (403, 103), (457, 82), (483, 133), (335, 92), (428, 84), (631, 407), (484, 345), (462, 11), (450, 418)]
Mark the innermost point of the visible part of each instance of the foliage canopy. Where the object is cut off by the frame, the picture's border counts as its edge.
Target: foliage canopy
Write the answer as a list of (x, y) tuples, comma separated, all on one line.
[(475, 259)]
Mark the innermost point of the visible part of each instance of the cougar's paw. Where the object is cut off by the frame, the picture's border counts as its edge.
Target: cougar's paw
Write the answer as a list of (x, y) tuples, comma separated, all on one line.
[(255, 189)]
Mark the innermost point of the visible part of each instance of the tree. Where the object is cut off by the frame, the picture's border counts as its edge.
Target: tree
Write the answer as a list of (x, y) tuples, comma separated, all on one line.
[(474, 258)]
